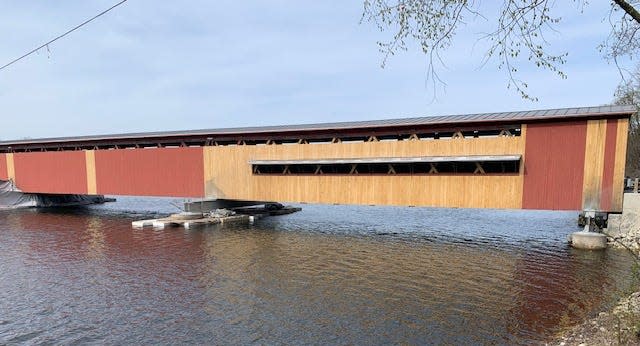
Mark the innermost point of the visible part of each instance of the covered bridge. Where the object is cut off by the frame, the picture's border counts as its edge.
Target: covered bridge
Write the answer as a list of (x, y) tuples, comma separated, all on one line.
[(559, 159)]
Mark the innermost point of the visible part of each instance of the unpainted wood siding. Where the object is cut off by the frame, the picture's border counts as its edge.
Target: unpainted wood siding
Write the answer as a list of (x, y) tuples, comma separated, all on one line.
[(608, 169), (90, 163), (619, 165), (228, 175), (594, 164)]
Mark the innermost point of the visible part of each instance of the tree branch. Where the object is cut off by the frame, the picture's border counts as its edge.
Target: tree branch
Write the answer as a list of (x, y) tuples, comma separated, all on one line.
[(519, 33), (629, 9)]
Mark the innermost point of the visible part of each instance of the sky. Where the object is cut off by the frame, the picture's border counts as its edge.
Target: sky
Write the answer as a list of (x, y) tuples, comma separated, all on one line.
[(159, 65)]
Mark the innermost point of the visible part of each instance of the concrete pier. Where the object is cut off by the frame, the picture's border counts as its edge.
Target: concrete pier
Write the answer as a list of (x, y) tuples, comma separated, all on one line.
[(591, 237), (588, 240)]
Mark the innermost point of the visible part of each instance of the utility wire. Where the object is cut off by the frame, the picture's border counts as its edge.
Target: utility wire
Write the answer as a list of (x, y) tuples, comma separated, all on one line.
[(61, 36)]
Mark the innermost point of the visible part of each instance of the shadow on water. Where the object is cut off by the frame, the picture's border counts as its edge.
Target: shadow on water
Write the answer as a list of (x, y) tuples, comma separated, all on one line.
[(329, 274)]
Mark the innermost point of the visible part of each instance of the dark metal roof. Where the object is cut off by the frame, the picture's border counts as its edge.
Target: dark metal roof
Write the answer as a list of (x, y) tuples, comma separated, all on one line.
[(337, 127)]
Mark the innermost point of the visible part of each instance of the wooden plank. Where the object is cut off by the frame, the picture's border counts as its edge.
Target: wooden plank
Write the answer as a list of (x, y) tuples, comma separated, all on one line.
[(608, 165), (593, 164), (619, 165), (11, 168), (228, 174), (90, 161), (523, 137), (209, 165)]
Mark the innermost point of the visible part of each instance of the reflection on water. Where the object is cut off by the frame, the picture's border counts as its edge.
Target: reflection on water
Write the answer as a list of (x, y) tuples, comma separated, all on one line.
[(329, 274)]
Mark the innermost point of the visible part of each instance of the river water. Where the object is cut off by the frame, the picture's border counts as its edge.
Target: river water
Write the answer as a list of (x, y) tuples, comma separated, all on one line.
[(326, 275)]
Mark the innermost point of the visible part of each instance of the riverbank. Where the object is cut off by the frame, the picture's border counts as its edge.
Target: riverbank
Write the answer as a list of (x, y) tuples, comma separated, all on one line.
[(623, 229), (618, 326)]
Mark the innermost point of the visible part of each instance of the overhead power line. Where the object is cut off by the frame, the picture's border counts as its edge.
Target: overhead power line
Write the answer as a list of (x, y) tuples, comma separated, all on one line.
[(61, 36)]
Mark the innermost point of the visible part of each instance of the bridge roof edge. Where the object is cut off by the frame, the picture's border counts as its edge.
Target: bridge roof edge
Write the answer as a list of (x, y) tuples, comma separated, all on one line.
[(542, 115)]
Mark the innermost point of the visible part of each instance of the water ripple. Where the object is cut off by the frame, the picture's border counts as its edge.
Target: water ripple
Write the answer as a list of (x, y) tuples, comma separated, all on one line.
[(327, 275)]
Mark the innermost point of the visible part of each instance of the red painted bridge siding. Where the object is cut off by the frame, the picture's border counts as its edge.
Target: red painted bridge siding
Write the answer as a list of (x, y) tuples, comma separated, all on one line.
[(177, 172), (606, 199), (3, 167), (51, 172), (554, 166)]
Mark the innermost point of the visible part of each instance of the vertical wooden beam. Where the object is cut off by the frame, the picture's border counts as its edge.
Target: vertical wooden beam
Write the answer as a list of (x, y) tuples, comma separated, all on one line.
[(90, 161), (521, 169), (210, 189), (11, 168), (619, 164), (593, 164), (607, 186)]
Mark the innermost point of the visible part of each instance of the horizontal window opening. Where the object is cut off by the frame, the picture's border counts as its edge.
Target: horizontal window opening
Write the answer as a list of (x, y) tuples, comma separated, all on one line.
[(501, 164)]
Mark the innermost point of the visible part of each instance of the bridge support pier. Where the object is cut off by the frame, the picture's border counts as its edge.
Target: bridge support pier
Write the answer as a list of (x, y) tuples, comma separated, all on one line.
[(591, 237)]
